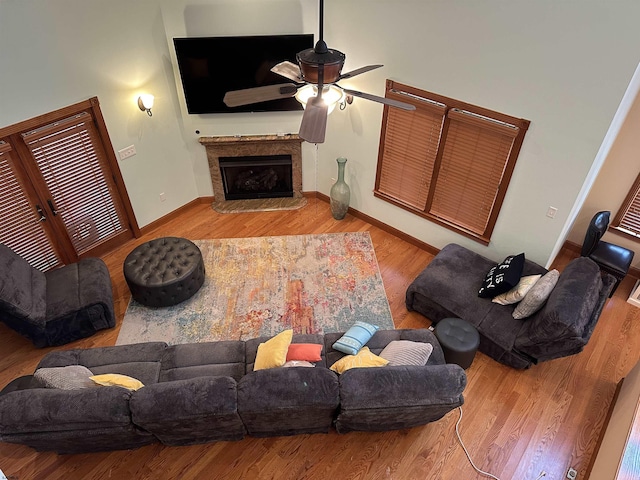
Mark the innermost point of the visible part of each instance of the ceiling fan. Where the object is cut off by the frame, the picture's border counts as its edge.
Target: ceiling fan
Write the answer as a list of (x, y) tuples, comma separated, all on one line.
[(314, 79)]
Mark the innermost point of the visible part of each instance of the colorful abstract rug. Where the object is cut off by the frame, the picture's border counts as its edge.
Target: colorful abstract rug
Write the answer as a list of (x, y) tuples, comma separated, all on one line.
[(263, 285)]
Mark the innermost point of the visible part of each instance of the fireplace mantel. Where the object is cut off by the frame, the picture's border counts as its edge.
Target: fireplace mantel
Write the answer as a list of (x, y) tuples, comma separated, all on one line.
[(254, 145)]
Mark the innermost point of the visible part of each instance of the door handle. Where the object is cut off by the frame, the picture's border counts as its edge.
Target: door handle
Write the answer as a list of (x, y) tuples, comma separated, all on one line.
[(41, 213), (52, 207)]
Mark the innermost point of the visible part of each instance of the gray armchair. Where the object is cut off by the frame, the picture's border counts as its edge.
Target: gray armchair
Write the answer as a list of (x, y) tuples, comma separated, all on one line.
[(58, 306)]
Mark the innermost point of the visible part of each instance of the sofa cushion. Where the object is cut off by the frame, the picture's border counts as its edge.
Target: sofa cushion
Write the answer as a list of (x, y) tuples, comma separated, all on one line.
[(405, 352), (398, 397), (382, 338), (535, 298), (185, 412), (70, 377), (140, 360), (570, 307), (288, 401), (22, 287), (191, 360), (502, 277)]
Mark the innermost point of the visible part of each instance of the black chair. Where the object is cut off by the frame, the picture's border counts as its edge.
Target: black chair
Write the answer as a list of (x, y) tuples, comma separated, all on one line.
[(58, 306), (611, 258)]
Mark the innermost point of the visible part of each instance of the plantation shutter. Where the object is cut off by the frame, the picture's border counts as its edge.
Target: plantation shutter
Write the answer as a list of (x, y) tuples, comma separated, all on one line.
[(69, 155), (473, 163), (410, 147), (21, 227), (628, 217)]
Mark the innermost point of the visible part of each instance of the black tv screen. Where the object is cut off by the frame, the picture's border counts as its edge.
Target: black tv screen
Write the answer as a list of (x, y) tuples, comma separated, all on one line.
[(211, 66)]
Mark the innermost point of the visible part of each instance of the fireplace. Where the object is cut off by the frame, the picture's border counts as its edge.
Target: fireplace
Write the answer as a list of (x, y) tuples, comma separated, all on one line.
[(255, 172), (259, 176)]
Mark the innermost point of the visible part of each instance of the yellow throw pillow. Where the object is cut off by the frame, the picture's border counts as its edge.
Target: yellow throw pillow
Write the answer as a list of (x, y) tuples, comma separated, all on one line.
[(117, 380), (273, 352), (363, 359)]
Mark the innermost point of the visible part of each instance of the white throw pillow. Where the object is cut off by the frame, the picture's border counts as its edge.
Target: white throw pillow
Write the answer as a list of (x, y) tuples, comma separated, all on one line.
[(535, 298), (518, 292)]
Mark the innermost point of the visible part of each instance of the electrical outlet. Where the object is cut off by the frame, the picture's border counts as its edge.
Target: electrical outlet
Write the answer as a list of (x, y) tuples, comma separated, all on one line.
[(572, 474), (551, 212), (127, 152), (163, 197)]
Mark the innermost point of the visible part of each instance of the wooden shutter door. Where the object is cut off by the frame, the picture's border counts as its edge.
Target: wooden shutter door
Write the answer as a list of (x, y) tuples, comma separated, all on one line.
[(22, 221), (70, 157)]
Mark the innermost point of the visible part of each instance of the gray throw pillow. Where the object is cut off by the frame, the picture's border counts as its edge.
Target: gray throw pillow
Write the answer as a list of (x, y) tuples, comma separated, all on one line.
[(70, 377), (406, 352), (535, 298)]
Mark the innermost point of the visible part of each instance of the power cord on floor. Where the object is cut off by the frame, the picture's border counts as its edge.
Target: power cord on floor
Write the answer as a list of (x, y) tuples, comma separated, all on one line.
[(481, 472)]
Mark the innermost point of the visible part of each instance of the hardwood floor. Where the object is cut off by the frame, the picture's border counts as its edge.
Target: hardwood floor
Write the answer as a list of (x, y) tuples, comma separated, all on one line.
[(515, 424)]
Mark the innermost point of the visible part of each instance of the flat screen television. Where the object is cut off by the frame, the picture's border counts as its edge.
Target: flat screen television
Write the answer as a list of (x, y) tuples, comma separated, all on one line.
[(211, 66)]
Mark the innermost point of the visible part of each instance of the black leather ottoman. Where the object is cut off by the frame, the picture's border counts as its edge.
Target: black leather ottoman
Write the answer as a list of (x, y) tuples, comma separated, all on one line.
[(164, 271), (459, 341)]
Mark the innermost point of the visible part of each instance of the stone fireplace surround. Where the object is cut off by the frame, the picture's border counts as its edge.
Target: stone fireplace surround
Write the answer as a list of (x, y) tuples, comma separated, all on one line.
[(254, 145)]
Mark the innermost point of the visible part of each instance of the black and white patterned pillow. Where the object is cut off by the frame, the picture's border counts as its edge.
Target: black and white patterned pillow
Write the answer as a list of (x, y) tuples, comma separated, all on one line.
[(503, 277)]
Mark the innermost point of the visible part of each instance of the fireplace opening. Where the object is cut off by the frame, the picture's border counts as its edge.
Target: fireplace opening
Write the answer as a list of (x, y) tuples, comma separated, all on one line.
[(258, 176)]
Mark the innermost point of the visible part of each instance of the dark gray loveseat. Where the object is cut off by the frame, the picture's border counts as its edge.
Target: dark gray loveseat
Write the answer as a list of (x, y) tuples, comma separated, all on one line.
[(196, 393), (448, 287)]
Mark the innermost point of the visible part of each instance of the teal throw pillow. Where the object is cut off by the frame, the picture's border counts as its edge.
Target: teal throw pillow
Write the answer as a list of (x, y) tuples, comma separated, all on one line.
[(355, 338)]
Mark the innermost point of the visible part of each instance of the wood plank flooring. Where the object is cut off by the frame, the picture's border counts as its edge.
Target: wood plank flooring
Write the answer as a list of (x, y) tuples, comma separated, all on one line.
[(515, 424)]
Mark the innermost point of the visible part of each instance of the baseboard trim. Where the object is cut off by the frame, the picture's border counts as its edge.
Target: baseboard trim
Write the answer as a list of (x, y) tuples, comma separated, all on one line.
[(387, 228), (176, 213)]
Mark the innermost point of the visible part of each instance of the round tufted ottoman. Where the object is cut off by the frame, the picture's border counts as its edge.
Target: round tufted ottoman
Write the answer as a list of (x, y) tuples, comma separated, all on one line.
[(164, 271), (459, 341)]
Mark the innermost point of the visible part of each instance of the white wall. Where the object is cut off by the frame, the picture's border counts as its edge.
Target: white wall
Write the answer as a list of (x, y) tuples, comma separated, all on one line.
[(57, 53), (614, 181), (564, 65)]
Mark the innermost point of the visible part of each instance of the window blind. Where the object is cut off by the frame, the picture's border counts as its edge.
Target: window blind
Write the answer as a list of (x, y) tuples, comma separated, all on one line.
[(75, 171), (628, 217), (22, 227), (447, 161)]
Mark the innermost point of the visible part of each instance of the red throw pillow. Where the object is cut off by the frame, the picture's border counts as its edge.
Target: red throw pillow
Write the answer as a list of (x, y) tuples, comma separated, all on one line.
[(309, 352)]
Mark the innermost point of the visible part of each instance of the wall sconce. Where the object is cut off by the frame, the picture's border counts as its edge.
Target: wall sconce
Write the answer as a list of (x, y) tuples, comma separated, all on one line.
[(331, 95), (145, 102)]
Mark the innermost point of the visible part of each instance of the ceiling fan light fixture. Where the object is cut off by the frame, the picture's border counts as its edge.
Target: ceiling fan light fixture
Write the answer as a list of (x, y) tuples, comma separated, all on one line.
[(331, 95)]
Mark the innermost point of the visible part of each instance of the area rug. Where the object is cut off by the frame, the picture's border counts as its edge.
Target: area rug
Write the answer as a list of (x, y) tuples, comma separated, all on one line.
[(263, 285)]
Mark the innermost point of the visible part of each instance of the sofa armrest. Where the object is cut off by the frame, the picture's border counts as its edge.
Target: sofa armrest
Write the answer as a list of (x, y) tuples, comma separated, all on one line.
[(50, 410), (402, 386)]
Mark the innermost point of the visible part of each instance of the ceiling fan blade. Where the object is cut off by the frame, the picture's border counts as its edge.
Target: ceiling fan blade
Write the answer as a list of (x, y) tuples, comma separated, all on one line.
[(288, 70), (375, 98), (247, 96), (358, 71), (314, 121)]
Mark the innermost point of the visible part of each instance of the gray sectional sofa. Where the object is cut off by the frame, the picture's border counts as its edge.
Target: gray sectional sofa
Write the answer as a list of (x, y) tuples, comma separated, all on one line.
[(448, 287), (197, 393)]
